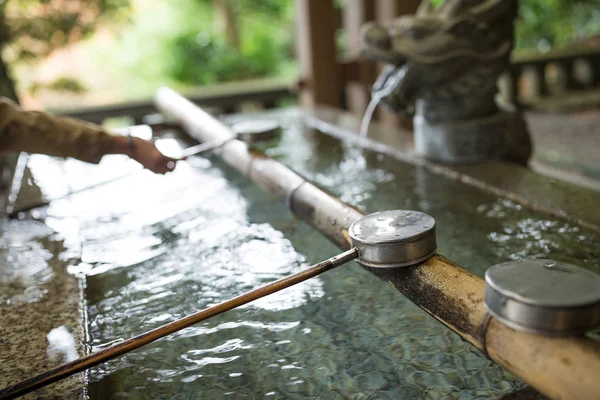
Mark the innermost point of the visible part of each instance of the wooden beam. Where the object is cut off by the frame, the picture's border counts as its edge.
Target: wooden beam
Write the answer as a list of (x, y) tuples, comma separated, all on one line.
[(356, 13), (387, 10), (357, 89), (349, 69), (317, 53)]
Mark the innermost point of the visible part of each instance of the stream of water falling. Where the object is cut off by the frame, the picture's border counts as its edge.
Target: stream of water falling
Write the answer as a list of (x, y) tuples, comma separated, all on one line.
[(392, 81), (366, 121)]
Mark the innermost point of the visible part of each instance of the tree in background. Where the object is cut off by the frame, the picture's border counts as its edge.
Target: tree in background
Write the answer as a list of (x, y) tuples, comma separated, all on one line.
[(32, 29), (227, 20), (183, 44), (239, 39)]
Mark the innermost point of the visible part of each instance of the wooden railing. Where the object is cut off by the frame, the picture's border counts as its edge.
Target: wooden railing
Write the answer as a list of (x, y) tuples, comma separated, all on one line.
[(534, 75), (220, 99)]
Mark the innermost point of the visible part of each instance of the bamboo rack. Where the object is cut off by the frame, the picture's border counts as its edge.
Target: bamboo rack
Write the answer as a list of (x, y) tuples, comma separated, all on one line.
[(559, 367)]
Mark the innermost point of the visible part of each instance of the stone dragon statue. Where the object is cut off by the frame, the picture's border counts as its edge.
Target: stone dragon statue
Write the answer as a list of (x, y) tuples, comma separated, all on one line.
[(444, 64)]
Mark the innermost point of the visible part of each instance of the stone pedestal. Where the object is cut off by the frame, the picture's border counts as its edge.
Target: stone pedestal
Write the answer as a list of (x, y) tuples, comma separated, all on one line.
[(503, 136)]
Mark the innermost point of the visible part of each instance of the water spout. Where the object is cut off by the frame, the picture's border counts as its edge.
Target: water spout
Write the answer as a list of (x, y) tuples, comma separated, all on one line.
[(392, 81)]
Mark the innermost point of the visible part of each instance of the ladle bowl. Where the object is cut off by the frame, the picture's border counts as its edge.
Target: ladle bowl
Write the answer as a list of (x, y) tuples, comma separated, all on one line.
[(249, 132)]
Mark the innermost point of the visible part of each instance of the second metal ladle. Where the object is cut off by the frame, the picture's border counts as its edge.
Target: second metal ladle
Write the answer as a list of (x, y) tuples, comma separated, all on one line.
[(249, 132)]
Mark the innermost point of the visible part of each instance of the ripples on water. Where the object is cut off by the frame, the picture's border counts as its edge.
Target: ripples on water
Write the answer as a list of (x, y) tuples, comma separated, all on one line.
[(474, 228), (24, 261), (155, 249)]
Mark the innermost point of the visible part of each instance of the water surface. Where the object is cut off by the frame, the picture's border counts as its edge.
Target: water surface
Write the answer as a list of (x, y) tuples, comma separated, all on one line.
[(157, 248)]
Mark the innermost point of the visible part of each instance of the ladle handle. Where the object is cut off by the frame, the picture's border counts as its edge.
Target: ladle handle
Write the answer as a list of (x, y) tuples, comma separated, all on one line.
[(190, 151), (204, 147), (13, 213), (116, 350)]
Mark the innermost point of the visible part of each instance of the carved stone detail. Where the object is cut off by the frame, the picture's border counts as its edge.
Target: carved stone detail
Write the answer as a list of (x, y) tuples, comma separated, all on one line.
[(451, 58)]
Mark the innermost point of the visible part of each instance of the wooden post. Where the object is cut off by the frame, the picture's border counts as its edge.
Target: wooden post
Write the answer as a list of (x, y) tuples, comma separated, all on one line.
[(570, 82), (387, 10), (595, 65), (356, 13), (317, 53), (227, 20), (540, 88)]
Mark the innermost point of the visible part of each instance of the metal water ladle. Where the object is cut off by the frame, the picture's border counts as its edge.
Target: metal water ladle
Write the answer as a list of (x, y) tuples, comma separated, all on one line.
[(388, 239), (251, 132)]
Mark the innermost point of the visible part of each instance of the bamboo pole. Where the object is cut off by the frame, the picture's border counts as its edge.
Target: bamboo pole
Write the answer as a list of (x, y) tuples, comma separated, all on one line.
[(119, 349), (559, 367)]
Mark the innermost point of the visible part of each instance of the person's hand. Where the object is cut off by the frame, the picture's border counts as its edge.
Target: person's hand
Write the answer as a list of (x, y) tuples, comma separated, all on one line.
[(148, 155)]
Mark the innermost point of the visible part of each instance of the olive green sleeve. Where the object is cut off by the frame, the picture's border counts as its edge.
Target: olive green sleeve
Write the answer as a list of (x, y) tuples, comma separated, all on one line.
[(38, 132)]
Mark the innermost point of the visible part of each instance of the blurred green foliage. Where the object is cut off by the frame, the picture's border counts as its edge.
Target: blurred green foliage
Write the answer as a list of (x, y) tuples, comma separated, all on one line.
[(175, 42), (181, 43), (543, 24), (555, 23), (202, 54)]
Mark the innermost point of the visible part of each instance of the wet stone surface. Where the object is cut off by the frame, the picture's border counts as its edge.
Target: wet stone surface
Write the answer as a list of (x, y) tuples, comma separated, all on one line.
[(37, 295), (568, 141)]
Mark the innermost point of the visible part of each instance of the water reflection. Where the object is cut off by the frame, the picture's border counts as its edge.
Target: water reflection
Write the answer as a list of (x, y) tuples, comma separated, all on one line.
[(474, 228), (157, 249), (345, 168)]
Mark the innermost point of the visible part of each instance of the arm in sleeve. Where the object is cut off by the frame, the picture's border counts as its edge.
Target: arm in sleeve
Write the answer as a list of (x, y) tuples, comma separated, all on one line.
[(38, 132)]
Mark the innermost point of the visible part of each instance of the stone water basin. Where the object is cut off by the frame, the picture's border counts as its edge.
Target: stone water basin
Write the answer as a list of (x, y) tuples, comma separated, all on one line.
[(151, 249)]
